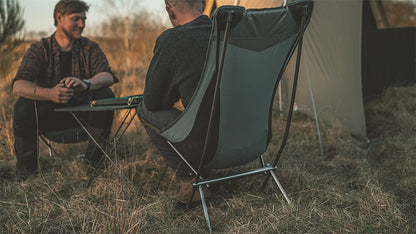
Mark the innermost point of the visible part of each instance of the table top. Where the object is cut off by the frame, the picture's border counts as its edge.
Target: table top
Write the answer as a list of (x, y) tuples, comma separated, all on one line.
[(95, 108)]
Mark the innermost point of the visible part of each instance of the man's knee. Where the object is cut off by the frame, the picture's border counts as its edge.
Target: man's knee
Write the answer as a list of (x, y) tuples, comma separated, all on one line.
[(24, 107), (159, 119), (24, 116)]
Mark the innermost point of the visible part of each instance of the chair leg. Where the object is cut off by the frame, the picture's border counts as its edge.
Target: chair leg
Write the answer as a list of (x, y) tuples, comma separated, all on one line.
[(262, 163), (161, 178), (188, 206), (201, 192), (80, 156), (49, 149), (48, 143), (282, 190), (204, 205)]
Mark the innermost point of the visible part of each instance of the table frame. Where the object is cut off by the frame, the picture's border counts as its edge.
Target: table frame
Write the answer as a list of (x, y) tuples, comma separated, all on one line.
[(127, 119)]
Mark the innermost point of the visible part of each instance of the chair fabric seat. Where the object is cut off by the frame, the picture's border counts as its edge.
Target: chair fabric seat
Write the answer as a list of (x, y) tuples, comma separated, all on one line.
[(71, 135)]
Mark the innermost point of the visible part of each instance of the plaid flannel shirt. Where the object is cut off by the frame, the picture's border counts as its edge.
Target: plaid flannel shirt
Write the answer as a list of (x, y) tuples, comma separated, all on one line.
[(41, 63)]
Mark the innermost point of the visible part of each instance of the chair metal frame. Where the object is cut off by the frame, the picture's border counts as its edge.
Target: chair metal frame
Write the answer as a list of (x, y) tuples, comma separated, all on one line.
[(44, 136)]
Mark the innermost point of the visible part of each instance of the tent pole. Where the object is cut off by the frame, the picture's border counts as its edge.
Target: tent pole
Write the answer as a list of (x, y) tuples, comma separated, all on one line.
[(280, 86), (314, 108), (280, 99)]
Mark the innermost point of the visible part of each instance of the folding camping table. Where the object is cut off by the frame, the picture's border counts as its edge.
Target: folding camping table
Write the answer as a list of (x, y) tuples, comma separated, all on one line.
[(129, 104)]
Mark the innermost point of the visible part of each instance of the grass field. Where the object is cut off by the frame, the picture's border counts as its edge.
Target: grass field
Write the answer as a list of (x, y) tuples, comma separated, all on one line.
[(355, 189)]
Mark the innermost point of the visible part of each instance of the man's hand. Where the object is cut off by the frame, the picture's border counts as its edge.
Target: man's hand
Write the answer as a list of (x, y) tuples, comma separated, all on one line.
[(60, 94), (29, 90), (74, 83)]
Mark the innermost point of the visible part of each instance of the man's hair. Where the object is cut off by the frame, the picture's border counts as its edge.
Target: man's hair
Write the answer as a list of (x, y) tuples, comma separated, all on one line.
[(191, 4), (67, 7)]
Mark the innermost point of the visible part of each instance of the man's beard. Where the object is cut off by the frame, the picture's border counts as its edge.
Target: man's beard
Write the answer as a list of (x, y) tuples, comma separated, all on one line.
[(69, 34)]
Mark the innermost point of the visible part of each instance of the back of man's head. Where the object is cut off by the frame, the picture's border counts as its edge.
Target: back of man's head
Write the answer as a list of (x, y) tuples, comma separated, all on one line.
[(67, 7), (186, 5)]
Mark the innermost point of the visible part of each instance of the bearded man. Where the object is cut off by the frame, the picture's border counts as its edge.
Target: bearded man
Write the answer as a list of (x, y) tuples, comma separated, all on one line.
[(62, 70)]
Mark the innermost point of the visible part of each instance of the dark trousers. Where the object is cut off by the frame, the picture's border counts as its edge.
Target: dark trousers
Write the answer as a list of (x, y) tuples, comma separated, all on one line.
[(161, 119), (28, 121)]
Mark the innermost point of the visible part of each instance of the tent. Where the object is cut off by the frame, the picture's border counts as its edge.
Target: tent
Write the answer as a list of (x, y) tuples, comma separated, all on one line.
[(350, 55), (388, 53), (330, 75)]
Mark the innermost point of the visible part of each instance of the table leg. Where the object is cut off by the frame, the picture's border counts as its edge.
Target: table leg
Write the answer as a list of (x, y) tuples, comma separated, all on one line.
[(103, 151)]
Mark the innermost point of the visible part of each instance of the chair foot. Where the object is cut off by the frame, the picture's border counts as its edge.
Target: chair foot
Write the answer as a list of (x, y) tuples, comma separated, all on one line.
[(204, 205), (80, 156), (161, 178), (282, 190)]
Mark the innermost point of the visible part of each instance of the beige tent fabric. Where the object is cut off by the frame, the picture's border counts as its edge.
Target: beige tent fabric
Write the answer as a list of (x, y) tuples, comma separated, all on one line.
[(332, 49), (208, 7)]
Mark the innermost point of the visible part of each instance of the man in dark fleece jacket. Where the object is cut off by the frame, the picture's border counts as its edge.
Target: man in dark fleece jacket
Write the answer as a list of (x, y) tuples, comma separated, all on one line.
[(173, 75)]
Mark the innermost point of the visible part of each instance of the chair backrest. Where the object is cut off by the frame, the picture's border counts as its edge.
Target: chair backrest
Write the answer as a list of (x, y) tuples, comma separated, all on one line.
[(258, 47)]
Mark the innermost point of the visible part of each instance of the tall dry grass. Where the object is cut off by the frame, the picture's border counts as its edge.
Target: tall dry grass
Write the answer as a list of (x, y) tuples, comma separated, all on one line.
[(10, 56), (353, 190)]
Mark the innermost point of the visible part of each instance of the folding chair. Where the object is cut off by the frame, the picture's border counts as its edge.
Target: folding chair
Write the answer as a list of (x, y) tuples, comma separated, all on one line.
[(247, 54), (72, 135)]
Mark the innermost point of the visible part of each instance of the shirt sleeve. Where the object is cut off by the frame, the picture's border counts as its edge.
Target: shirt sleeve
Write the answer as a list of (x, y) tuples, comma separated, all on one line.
[(31, 65), (99, 62), (159, 92)]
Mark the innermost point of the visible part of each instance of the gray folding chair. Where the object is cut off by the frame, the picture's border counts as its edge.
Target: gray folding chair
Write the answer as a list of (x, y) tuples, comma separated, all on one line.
[(247, 54)]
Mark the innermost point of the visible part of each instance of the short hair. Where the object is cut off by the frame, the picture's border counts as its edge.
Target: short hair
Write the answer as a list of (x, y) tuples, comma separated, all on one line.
[(191, 4), (66, 7)]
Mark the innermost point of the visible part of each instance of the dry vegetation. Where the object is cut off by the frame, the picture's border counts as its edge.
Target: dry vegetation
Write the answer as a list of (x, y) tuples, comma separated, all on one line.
[(353, 190)]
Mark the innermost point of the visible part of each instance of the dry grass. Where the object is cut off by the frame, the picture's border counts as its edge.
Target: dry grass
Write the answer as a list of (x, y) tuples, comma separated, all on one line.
[(353, 190)]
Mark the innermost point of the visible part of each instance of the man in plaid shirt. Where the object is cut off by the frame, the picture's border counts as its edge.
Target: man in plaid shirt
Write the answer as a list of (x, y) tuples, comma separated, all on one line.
[(64, 69)]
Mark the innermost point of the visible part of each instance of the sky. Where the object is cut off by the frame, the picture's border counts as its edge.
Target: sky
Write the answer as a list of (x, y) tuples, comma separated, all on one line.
[(38, 14)]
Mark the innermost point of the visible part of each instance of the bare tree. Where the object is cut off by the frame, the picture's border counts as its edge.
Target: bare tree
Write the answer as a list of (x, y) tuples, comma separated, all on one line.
[(123, 10), (128, 35), (130, 63), (11, 19)]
